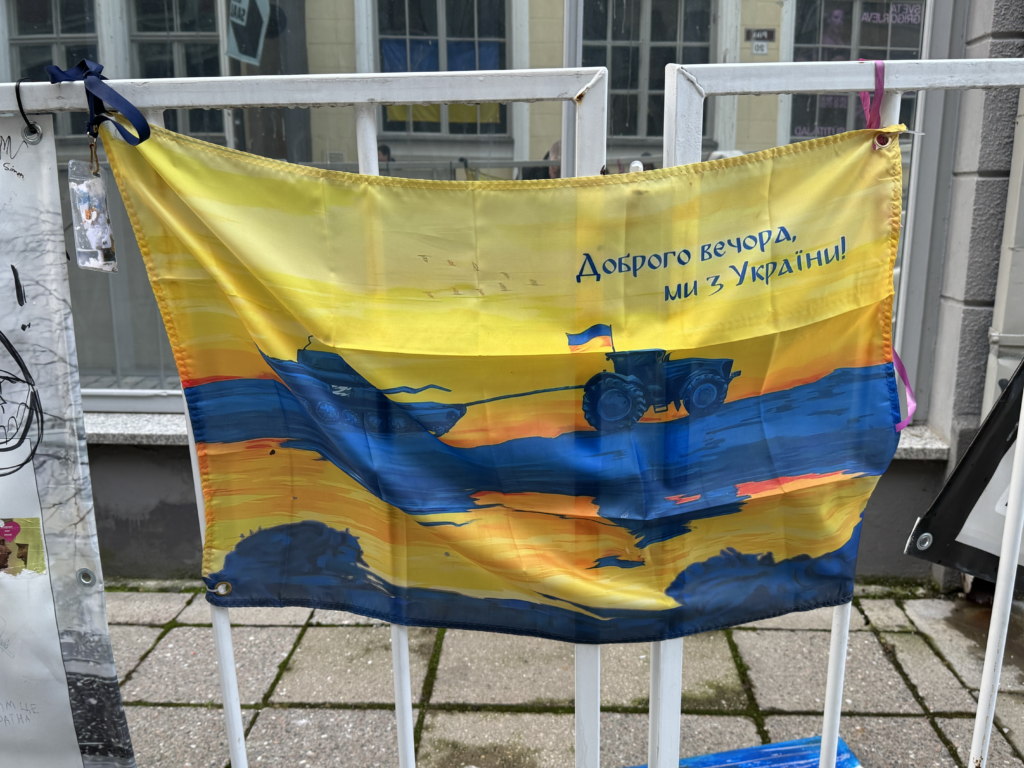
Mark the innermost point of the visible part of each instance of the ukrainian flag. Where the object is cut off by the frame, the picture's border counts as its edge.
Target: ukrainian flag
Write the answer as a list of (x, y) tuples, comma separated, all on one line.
[(595, 337)]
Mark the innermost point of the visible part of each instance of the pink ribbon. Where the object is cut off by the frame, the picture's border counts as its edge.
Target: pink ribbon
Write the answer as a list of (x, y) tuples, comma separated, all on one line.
[(873, 107), (911, 402)]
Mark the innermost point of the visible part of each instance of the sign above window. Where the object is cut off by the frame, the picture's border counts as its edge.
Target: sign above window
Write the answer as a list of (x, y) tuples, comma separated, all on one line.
[(247, 29)]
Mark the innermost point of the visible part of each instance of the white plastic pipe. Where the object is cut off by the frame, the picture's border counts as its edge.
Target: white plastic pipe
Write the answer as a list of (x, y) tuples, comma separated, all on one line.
[(1009, 554), (572, 56), (366, 146), (588, 706), (666, 703), (834, 685), (219, 616)]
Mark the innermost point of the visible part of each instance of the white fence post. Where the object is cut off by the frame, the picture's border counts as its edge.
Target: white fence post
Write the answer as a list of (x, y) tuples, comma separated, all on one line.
[(366, 145), (666, 703), (834, 684), (218, 616)]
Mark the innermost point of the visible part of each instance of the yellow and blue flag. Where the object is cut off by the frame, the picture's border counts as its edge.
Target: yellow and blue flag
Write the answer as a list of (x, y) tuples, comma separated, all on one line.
[(397, 414)]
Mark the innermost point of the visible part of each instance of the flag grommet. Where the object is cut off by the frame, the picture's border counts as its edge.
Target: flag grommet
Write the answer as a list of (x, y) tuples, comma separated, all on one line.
[(223, 588)]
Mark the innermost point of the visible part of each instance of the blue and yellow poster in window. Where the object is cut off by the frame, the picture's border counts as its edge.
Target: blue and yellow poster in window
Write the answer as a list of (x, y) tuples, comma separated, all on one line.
[(607, 409)]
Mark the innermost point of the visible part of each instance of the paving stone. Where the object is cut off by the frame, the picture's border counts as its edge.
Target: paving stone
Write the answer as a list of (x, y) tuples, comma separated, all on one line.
[(886, 616), (496, 740), (326, 738), (939, 688), (144, 607), (199, 613), (323, 618), (1010, 718), (492, 668), (819, 618), (878, 742), (183, 667), (960, 731), (156, 585), (960, 630), (179, 737), (789, 670), (128, 644), (624, 737), (710, 678), (351, 665)]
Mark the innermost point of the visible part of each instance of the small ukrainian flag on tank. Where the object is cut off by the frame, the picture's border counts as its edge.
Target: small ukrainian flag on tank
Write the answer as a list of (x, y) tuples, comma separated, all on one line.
[(594, 338)]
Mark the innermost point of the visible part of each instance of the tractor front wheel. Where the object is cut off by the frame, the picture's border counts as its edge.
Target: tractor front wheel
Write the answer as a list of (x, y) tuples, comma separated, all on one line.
[(612, 402), (703, 393)]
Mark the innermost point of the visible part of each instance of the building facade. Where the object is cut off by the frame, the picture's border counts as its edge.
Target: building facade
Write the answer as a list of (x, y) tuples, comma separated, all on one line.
[(956, 261)]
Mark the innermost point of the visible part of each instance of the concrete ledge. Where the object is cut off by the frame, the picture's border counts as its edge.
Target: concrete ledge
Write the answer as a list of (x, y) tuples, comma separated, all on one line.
[(920, 443), (136, 429), (916, 442)]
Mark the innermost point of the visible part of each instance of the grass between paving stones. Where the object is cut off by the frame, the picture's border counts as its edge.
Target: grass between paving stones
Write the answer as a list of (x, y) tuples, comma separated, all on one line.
[(164, 630), (753, 708), (428, 687)]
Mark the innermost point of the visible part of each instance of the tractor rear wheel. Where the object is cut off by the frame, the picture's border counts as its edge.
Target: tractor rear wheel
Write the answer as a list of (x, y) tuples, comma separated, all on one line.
[(612, 402), (703, 393)]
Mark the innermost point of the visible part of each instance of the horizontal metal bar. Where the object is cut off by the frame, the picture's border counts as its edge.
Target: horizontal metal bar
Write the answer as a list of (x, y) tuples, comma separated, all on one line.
[(845, 76), (319, 90)]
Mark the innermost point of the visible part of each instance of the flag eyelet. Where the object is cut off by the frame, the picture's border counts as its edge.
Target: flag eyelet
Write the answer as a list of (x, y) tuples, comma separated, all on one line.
[(882, 140)]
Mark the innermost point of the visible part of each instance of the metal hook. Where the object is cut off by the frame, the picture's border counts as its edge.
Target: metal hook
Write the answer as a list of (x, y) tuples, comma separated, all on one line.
[(31, 133)]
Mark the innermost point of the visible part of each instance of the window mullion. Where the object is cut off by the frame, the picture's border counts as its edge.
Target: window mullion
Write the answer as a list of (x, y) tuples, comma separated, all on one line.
[(645, 68), (851, 100), (442, 55)]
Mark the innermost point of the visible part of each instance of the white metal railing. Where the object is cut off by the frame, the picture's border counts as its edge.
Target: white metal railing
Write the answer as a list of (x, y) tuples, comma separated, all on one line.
[(686, 87)]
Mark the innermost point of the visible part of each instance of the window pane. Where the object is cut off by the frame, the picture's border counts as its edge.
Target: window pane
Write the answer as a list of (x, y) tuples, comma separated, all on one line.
[(202, 60), (625, 69), (697, 21), (626, 20), (393, 56), (35, 17), (75, 53), (832, 112), (459, 18), (462, 118), (664, 20), (462, 57), (32, 59), (205, 121), (423, 18), (903, 54), (696, 54), (492, 55), (491, 18), (155, 60), (836, 26), (873, 54), (595, 56), (391, 17), (835, 54), (906, 24), (197, 16), (655, 114), (595, 20), (805, 54), (624, 114), (76, 16), (426, 118), (154, 16), (171, 119), (803, 118), (661, 55), (808, 22), (907, 109), (423, 56), (487, 125), (874, 24)]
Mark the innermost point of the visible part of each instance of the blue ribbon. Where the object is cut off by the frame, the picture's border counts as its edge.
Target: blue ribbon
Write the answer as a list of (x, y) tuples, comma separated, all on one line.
[(99, 96)]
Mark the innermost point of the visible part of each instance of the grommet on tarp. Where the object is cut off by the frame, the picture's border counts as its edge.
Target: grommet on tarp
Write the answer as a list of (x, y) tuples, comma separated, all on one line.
[(924, 541), (222, 589), (98, 95), (882, 140), (31, 133), (86, 577)]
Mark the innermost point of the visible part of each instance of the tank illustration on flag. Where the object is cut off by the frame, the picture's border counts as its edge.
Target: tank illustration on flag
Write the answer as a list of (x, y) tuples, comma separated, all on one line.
[(594, 410)]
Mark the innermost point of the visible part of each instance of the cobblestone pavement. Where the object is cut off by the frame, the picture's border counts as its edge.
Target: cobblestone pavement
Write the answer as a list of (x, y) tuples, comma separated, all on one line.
[(317, 691)]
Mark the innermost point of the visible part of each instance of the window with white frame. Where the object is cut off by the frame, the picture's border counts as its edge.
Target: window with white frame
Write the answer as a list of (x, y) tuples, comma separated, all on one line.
[(443, 36), (178, 38), (848, 30), (635, 39), (61, 32)]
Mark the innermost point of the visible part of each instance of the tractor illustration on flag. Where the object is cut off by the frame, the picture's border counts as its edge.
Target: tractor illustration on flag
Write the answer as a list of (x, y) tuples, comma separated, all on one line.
[(336, 394), (647, 378)]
